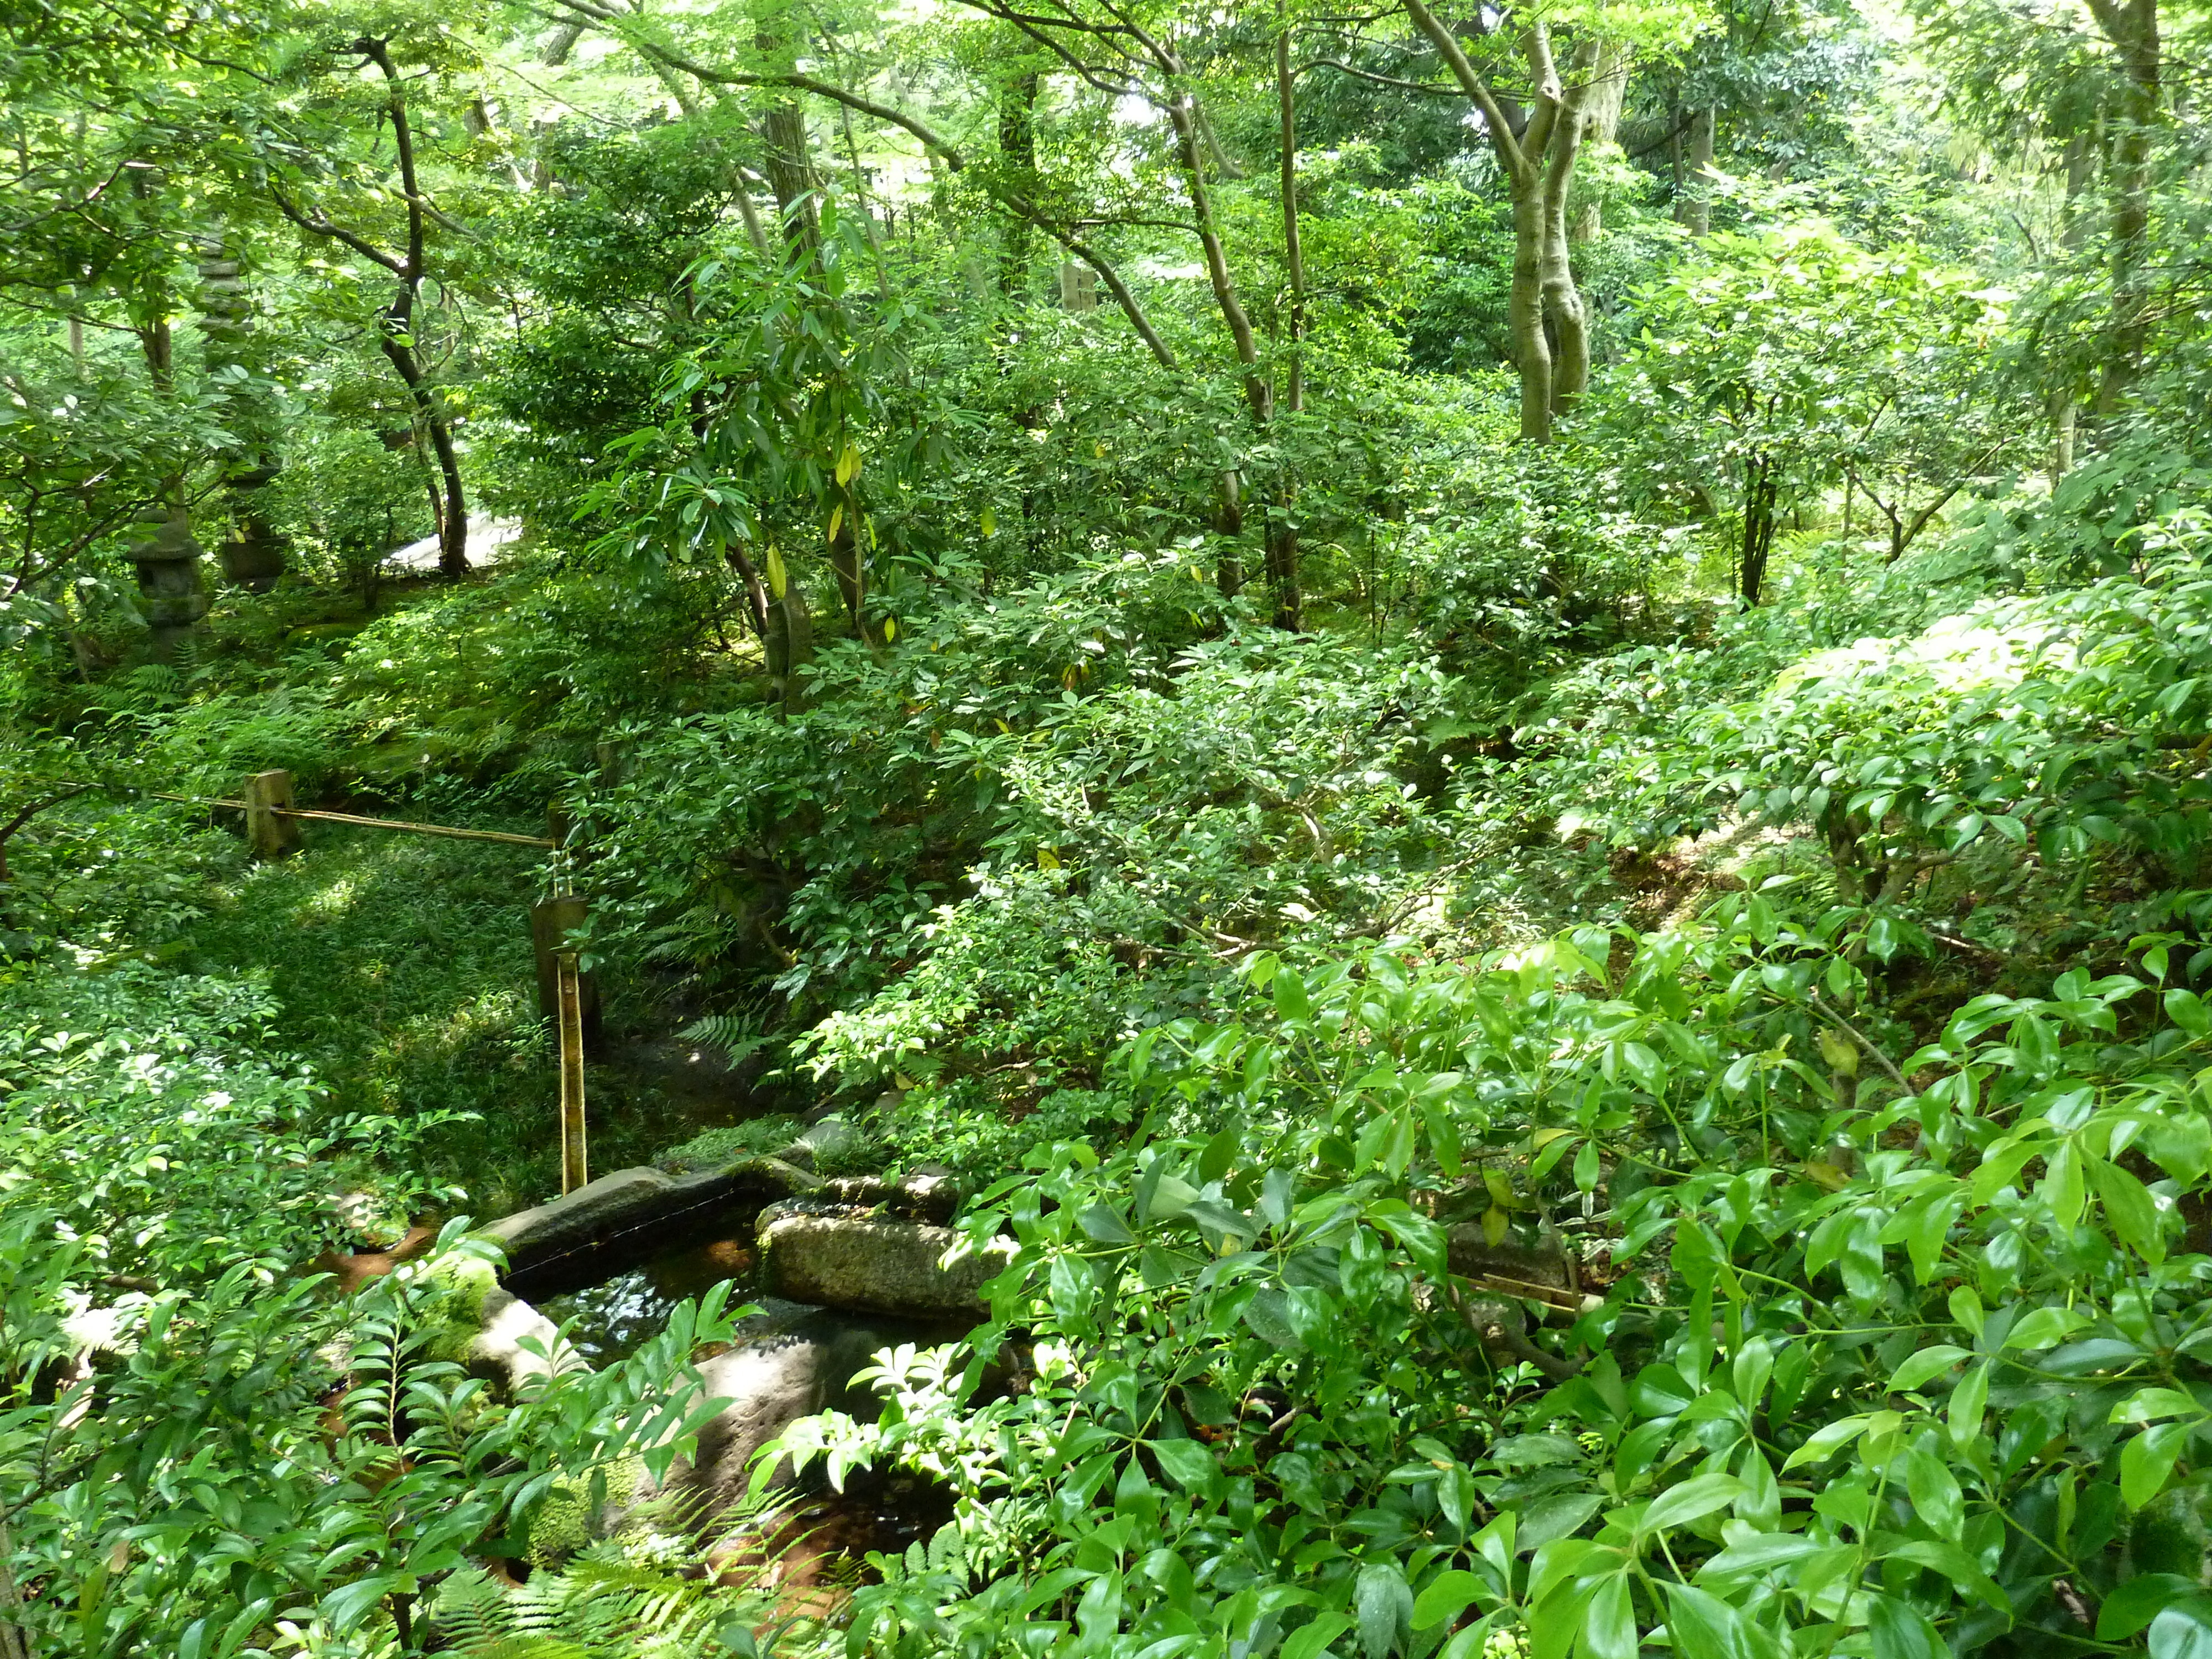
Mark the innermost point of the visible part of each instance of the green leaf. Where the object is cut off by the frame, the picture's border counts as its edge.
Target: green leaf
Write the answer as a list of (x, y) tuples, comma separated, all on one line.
[(1688, 1502), (1925, 1365), (1826, 1441), (1104, 1225), (2140, 1600), (1609, 1623), (1900, 1631), (2131, 1210), (2187, 1010), (1935, 1496), (1385, 1603), (1702, 1624), (1189, 1463), (2044, 1329), (2148, 1459), (1268, 1313), (1968, 1401), (1444, 1597), (1309, 1641), (2148, 1405), (2183, 1631)]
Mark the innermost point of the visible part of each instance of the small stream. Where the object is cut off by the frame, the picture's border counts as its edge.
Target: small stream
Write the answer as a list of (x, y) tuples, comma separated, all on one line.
[(616, 1317)]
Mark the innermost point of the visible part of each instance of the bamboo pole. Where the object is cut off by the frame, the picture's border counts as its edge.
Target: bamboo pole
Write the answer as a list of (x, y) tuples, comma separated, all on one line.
[(355, 820), (573, 1170)]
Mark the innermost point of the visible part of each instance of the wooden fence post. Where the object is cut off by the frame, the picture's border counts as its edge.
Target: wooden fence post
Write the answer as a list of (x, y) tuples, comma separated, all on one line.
[(267, 835)]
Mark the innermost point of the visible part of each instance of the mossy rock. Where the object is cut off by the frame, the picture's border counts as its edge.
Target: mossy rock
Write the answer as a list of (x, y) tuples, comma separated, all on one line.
[(2168, 1534), (566, 1521)]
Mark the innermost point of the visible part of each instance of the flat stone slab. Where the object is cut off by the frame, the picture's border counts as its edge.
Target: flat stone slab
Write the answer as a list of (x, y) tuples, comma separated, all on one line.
[(626, 1218), (875, 1264)]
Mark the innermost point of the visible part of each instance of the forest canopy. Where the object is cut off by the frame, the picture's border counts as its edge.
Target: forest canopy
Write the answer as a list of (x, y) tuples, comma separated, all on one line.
[(1460, 755)]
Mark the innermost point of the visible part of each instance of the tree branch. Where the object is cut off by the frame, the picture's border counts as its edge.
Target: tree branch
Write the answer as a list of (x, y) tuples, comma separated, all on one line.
[(325, 228), (1510, 152)]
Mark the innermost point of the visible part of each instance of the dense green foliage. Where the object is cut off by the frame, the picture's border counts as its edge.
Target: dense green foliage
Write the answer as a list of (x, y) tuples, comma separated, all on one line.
[(1498, 724)]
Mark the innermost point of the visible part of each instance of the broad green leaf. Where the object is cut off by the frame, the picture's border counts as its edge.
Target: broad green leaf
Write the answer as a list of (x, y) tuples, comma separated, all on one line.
[(1310, 1640), (2045, 1328), (1900, 1631), (1702, 1624), (2183, 1631), (1385, 1606), (1926, 1366), (2148, 1459), (1189, 1463), (1826, 1441), (1609, 1624), (2133, 1604), (1444, 1597), (1963, 1415), (2148, 1405), (1690, 1501)]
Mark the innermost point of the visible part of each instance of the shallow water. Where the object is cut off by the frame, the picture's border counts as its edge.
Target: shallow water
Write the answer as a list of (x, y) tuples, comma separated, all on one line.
[(615, 1318)]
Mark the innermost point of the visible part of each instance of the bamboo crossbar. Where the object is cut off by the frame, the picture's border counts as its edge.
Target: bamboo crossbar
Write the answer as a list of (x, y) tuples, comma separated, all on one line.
[(365, 823)]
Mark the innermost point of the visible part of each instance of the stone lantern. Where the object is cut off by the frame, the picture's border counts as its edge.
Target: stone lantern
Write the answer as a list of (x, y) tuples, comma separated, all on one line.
[(169, 587)]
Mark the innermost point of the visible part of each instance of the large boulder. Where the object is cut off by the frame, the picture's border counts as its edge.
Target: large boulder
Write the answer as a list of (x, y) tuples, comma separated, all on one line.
[(771, 1383), (867, 1263), (626, 1218), (498, 1352)]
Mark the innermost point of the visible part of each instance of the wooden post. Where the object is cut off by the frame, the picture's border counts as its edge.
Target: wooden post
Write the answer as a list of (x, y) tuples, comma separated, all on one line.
[(267, 835), (575, 1172), (549, 921)]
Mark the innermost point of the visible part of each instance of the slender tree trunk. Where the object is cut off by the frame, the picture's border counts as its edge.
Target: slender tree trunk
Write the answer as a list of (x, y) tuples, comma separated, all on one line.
[(254, 557), (1565, 318), (398, 335), (1608, 87), (2132, 27), (1228, 526), (1282, 532), (1524, 312), (1017, 151), (1281, 539), (1545, 312), (1693, 203), (791, 176), (1762, 489)]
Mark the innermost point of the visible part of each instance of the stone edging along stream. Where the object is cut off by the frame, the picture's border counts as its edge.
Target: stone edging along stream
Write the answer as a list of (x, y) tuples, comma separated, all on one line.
[(861, 1257)]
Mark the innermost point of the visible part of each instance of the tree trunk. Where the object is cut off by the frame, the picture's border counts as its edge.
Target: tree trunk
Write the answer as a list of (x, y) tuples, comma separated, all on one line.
[(1565, 318), (1608, 78), (1545, 312), (254, 557), (2132, 28), (1693, 202), (1293, 255), (1228, 526), (790, 154), (1762, 488), (397, 335), (1018, 151), (1524, 312), (1280, 540)]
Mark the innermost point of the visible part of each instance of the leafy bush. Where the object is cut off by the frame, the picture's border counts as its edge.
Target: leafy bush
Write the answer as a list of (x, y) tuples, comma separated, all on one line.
[(204, 1454), (1901, 1349), (2070, 720)]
